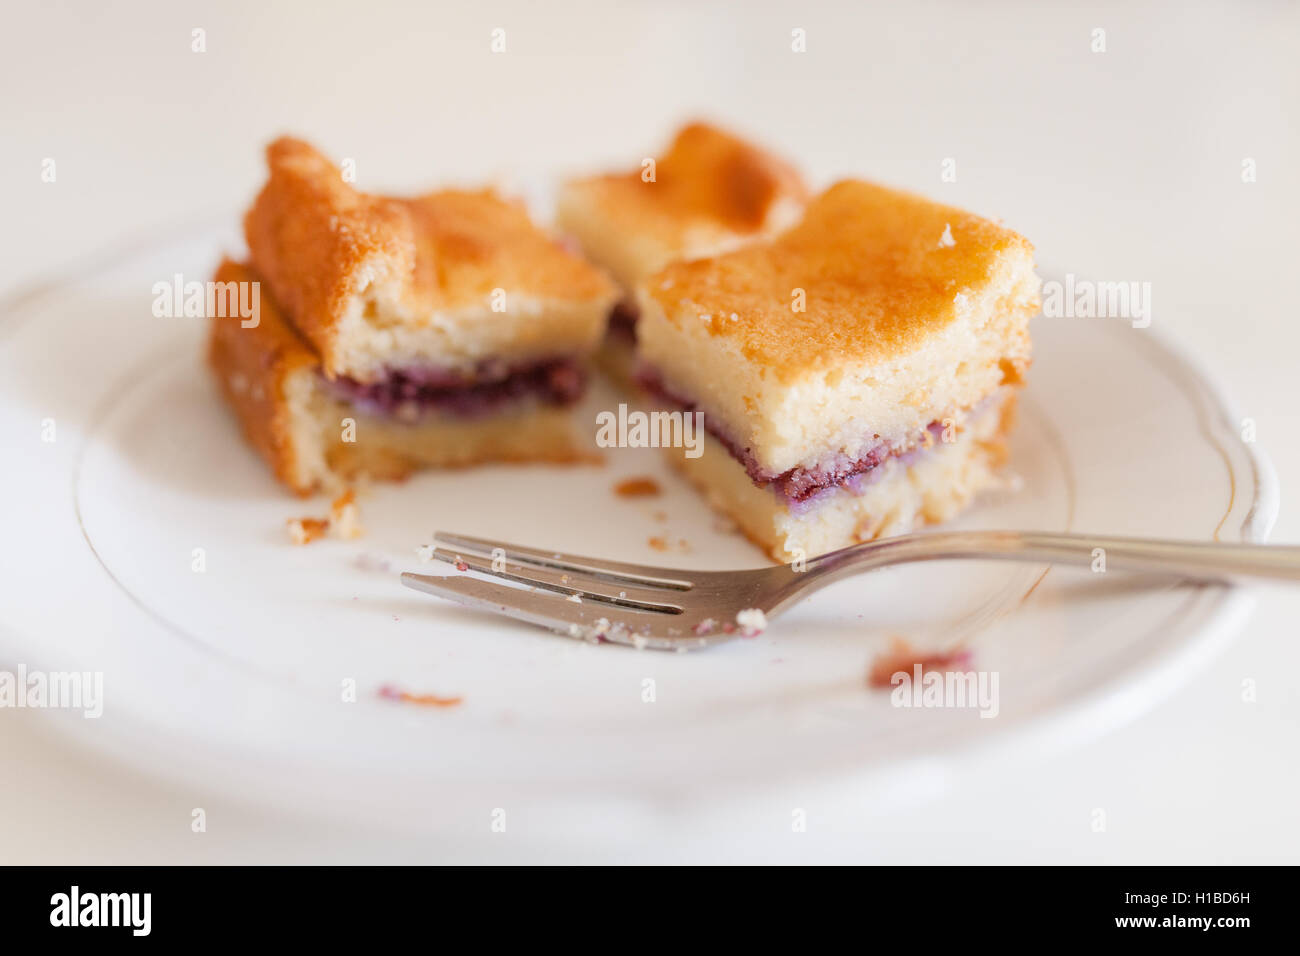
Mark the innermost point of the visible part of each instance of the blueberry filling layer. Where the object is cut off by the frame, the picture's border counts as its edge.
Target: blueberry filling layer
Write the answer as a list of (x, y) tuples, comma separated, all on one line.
[(407, 394), (798, 485)]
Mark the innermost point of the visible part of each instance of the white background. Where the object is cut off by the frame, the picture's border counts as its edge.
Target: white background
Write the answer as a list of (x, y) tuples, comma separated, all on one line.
[(1122, 165)]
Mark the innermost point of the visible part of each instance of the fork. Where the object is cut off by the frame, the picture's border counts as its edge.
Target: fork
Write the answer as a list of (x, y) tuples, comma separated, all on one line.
[(666, 609)]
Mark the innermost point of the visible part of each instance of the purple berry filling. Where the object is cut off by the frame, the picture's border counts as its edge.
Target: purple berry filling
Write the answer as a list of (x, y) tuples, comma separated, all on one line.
[(795, 486), (408, 393)]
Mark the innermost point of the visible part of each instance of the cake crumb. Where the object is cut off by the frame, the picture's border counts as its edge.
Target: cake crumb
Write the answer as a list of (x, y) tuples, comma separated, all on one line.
[(662, 543), (574, 598), (752, 622), (903, 658), (946, 241), (344, 522), (306, 530), (345, 517), (390, 692), (425, 552), (639, 487)]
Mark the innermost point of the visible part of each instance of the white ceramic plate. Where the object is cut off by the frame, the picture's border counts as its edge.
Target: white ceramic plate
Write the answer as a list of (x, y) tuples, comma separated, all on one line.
[(234, 675)]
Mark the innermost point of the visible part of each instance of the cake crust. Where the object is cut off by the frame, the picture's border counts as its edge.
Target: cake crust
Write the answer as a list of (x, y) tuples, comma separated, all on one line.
[(252, 366), (880, 270), (368, 278)]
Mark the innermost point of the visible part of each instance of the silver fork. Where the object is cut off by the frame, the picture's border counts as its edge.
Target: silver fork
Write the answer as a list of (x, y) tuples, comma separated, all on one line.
[(667, 609)]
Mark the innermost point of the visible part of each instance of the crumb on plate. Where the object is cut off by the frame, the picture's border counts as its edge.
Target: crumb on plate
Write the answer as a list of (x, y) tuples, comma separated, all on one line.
[(661, 543), (306, 530), (903, 658), (640, 487), (390, 692), (345, 517), (344, 522)]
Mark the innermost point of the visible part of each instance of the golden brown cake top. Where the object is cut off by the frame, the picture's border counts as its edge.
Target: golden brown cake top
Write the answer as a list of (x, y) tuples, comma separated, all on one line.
[(866, 275), (470, 243), (326, 248), (708, 175)]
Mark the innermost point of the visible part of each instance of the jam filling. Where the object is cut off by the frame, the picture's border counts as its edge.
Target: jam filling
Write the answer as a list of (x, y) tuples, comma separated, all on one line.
[(407, 394), (797, 485)]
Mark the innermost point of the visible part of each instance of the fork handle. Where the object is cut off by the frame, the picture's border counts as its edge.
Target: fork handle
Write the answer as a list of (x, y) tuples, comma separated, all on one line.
[(1188, 559)]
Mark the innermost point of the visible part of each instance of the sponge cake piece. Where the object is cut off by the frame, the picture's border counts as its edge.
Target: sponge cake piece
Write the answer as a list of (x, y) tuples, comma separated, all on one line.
[(880, 325), (710, 192), (446, 281), (318, 435)]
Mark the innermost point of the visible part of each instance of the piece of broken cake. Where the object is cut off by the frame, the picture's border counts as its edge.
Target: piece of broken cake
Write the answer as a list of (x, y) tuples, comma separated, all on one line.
[(709, 193), (857, 375), (394, 334)]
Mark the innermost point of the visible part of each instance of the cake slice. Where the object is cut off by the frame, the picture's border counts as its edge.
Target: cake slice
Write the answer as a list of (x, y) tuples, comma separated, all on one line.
[(446, 329), (317, 434), (856, 375), (709, 193)]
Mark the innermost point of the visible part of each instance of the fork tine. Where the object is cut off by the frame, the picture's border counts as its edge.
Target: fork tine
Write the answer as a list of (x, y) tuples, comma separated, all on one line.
[(615, 571), (626, 595), (555, 613)]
